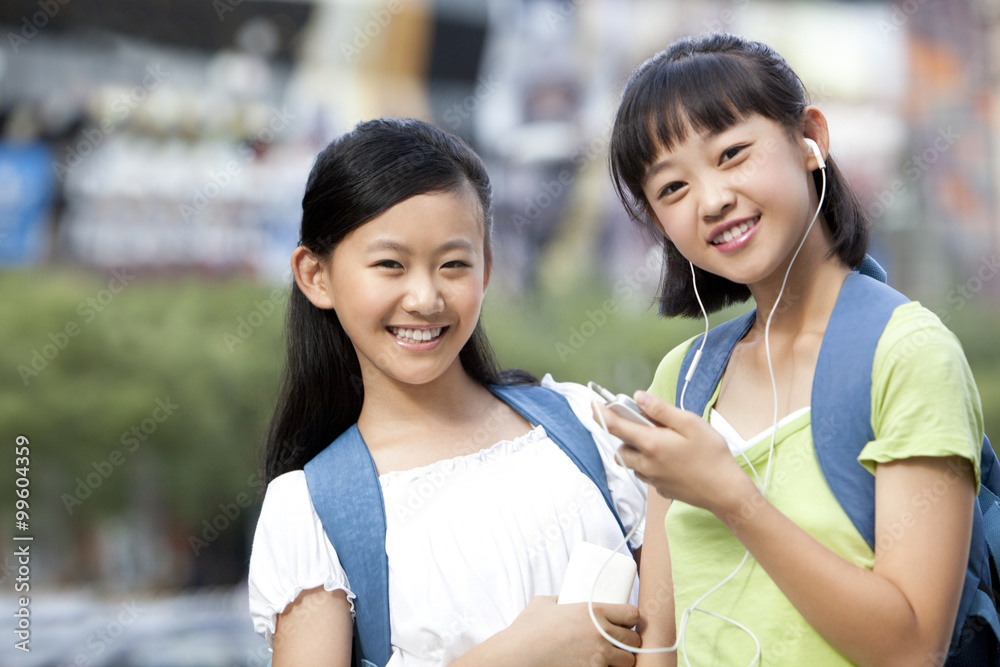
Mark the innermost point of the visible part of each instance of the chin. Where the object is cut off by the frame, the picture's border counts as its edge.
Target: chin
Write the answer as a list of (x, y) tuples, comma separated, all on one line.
[(418, 378)]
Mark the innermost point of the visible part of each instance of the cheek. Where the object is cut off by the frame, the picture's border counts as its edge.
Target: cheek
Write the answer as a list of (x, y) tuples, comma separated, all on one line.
[(360, 304), (467, 295), (769, 187), (678, 224), (781, 183)]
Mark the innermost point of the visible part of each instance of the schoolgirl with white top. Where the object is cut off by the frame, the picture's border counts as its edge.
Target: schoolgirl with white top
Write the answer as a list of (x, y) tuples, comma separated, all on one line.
[(482, 509)]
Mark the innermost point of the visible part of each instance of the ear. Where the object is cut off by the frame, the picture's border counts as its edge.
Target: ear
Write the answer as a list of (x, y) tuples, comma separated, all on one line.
[(656, 221), (311, 276), (814, 127), (487, 271)]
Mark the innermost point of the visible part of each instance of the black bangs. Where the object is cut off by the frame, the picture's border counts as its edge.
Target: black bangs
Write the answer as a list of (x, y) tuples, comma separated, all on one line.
[(383, 162), (711, 94), (696, 98)]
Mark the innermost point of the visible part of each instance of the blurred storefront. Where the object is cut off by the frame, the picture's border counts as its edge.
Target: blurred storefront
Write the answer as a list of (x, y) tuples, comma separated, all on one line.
[(180, 132)]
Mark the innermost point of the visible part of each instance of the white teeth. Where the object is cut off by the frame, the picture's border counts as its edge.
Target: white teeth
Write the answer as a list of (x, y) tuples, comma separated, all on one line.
[(416, 335), (734, 232)]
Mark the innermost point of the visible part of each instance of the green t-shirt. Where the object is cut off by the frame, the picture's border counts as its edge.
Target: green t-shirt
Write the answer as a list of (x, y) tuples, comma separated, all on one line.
[(924, 403)]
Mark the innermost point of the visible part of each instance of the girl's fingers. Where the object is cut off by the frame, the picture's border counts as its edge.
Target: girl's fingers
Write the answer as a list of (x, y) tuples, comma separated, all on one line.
[(660, 411), (622, 615), (624, 635), (619, 619), (621, 658), (624, 429)]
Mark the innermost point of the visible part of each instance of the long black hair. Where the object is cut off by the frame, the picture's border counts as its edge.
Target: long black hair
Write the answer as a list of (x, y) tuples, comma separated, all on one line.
[(359, 176), (708, 84)]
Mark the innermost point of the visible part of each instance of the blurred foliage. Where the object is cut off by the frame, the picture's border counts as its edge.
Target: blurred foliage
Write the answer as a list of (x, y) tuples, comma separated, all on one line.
[(623, 352), (158, 380), (212, 349)]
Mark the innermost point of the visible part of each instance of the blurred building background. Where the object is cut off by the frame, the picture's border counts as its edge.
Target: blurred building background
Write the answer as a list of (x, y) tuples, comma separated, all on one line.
[(153, 155)]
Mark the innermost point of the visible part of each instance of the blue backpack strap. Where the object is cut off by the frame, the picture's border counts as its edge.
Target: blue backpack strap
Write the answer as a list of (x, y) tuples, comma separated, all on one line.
[(977, 610), (719, 346), (869, 267), (989, 498), (551, 410), (842, 390), (345, 491)]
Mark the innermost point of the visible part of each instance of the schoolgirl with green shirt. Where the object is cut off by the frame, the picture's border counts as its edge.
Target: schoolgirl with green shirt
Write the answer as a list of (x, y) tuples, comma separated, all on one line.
[(710, 152)]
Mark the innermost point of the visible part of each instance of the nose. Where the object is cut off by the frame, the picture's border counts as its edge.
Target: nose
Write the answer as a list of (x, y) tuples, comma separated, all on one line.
[(718, 198), (424, 296)]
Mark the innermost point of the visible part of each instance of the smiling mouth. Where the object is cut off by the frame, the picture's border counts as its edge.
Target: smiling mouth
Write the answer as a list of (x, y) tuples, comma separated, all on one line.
[(735, 231), (416, 335)]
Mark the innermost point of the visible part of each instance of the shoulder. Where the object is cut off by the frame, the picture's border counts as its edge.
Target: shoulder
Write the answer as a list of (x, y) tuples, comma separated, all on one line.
[(579, 397), (664, 382), (913, 328), (627, 492), (287, 515), (924, 398), (285, 489), (918, 347), (290, 553)]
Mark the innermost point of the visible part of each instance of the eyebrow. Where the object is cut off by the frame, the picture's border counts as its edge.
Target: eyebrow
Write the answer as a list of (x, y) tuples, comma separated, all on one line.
[(706, 135), (458, 244), (388, 244), (657, 168)]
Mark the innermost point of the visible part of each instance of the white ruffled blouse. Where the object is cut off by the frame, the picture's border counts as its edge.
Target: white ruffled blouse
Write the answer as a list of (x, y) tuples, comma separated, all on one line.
[(470, 540)]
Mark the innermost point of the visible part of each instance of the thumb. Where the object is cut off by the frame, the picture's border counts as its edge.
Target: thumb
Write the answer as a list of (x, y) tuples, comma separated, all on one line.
[(624, 615), (657, 409)]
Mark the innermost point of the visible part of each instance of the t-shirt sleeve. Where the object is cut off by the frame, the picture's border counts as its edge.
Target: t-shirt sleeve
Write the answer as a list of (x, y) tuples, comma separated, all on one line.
[(291, 553), (924, 398), (627, 492)]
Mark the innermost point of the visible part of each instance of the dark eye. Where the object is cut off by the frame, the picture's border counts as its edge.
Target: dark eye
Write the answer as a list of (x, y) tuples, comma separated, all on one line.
[(670, 188), (730, 153), (389, 264), (455, 264)]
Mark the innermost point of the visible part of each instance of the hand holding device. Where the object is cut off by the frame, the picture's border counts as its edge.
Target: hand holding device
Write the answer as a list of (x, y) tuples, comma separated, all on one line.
[(563, 635), (621, 405), (597, 574)]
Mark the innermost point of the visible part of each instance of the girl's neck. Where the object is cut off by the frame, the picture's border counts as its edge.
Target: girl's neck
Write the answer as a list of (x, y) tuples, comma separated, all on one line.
[(810, 292), (453, 397)]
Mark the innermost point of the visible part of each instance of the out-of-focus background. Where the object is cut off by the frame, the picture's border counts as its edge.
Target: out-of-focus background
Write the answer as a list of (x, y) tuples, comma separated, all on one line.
[(153, 154)]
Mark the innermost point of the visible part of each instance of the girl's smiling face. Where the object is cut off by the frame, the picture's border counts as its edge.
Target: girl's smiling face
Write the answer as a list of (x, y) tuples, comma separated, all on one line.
[(408, 286), (735, 203)]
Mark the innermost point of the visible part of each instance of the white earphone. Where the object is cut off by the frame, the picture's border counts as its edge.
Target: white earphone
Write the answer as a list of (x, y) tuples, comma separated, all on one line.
[(814, 149)]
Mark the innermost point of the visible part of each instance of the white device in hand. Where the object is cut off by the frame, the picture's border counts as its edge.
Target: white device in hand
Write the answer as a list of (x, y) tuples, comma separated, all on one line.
[(621, 405), (587, 566)]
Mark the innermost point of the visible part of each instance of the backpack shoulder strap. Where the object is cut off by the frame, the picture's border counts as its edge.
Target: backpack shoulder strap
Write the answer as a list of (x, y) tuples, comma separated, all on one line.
[(345, 491), (842, 390), (719, 346), (989, 500), (551, 410)]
